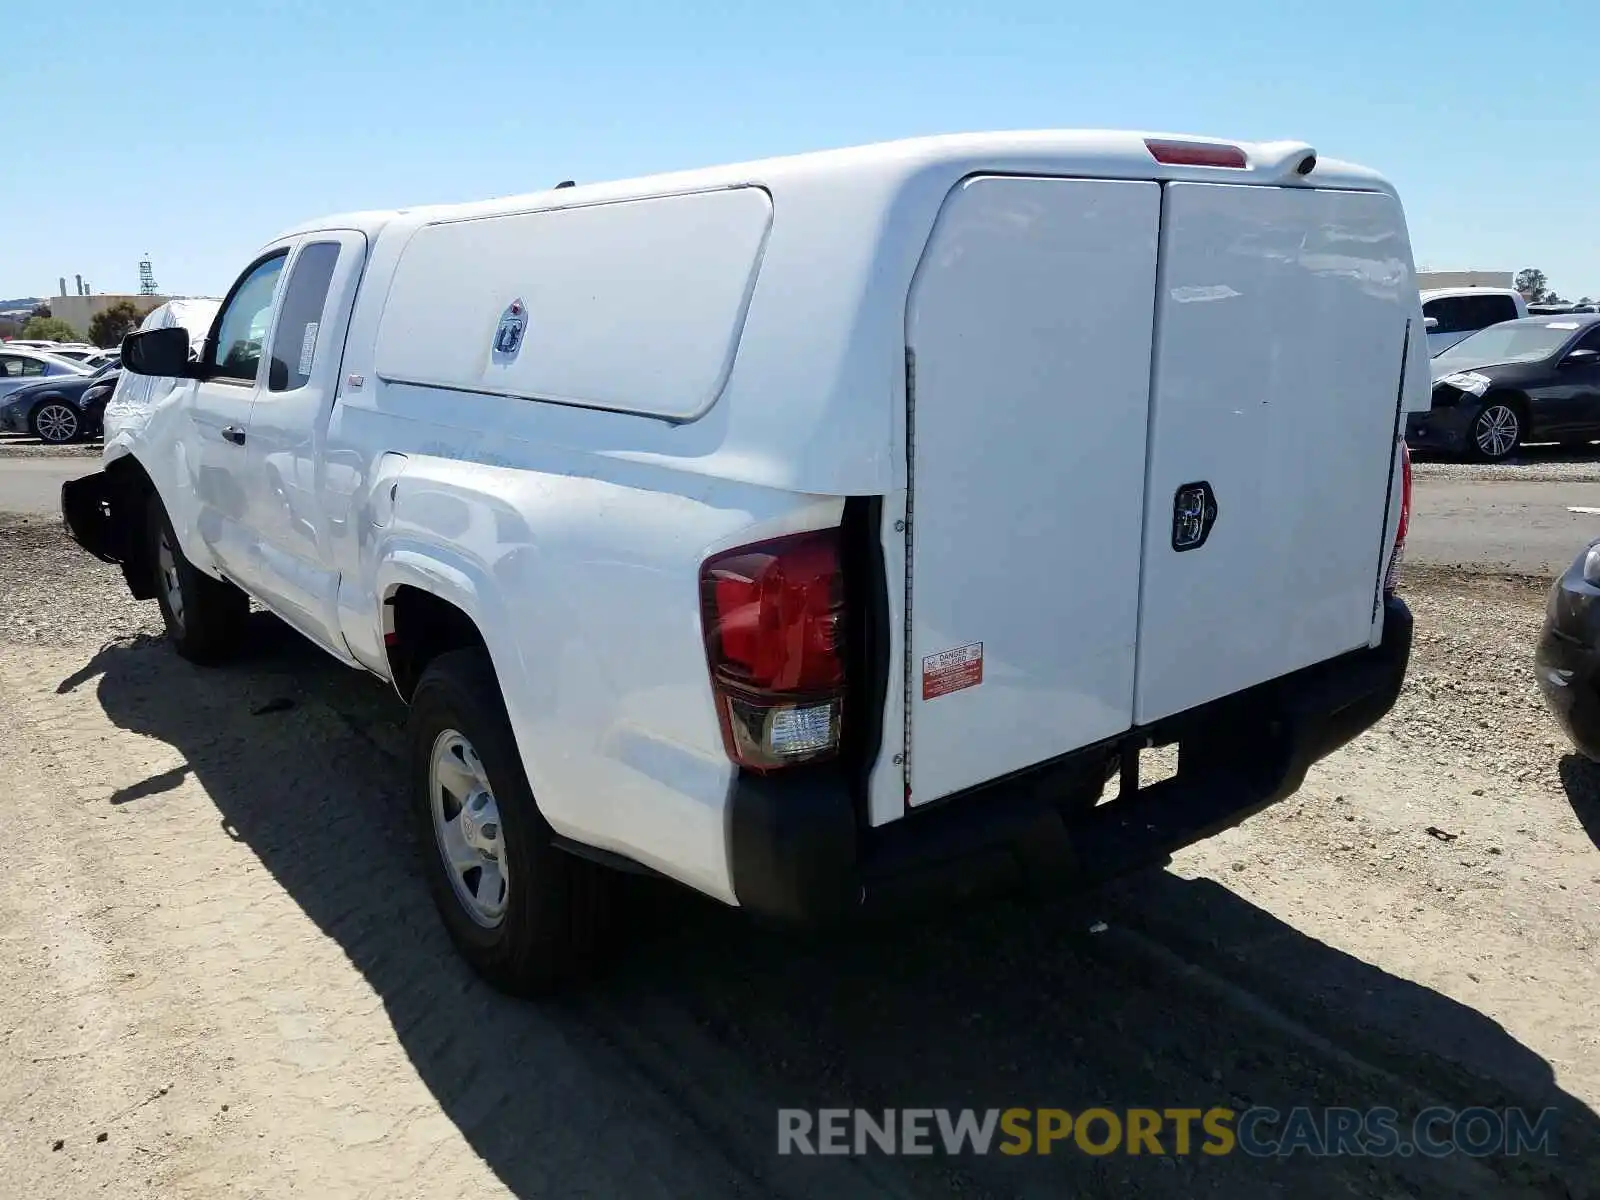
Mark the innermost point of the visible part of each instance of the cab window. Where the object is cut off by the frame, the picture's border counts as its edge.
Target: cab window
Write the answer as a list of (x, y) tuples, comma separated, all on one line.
[(1483, 311), (1468, 314), (242, 324), (294, 345), (1448, 311)]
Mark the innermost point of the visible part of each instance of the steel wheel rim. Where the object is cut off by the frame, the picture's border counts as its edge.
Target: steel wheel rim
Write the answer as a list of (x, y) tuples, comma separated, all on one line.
[(171, 586), (467, 829), (57, 423), (1496, 430)]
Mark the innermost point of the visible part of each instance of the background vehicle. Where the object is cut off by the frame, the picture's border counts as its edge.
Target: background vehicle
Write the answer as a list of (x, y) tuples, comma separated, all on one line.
[(1561, 309), (134, 394), (21, 367), (1567, 657), (1532, 380), (86, 355), (63, 409), (89, 356), (1459, 312), (727, 524), (97, 395), (30, 344)]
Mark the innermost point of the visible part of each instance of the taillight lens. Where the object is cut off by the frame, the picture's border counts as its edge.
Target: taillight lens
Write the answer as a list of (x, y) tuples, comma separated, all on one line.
[(774, 625), (1391, 579)]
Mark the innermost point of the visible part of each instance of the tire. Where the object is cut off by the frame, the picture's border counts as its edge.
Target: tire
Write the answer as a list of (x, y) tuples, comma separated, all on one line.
[(1495, 431), (205, 617), (55, 422), (537, 923)]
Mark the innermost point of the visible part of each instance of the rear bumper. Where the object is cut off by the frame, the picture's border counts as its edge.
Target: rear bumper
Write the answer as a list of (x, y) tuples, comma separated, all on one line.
[(800, 854), (1567, 658)]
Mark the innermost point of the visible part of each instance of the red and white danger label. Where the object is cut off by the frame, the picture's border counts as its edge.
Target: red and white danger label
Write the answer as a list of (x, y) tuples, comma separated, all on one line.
[(952, 670)]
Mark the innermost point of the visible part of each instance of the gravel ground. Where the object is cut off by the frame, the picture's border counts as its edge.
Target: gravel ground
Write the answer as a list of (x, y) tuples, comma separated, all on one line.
[(19, 445), (224, 976), (96, 605), (1531, 464), (1469, 697)]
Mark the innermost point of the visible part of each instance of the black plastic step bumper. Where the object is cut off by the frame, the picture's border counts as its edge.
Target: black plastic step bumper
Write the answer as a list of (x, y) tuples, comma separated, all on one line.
[(801, 853), (87, 506)]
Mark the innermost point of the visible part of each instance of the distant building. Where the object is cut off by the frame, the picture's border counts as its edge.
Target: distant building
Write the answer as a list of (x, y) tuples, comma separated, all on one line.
[(78, 311), (1455, 279)]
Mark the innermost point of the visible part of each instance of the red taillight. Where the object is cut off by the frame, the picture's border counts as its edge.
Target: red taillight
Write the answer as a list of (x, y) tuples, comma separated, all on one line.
[(774, 625), (1391, 579), (1196, 154)]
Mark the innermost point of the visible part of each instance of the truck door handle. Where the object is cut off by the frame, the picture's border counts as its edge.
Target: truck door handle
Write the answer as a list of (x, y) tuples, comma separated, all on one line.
[(1194, 512), (232, 433)]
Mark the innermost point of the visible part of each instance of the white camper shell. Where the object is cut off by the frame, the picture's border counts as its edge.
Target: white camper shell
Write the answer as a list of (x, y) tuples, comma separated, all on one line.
[(828, 526)]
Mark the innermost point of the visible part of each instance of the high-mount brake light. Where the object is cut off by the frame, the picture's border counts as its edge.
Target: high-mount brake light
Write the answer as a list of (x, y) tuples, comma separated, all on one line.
[(1196, 154), (774, 627)]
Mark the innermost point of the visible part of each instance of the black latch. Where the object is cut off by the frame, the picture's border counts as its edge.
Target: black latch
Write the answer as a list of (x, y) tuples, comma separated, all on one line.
[(1194, 512)]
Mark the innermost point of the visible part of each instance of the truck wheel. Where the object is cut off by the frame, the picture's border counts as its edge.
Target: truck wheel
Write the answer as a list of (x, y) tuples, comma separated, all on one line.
[(205, 617), (525, 914)]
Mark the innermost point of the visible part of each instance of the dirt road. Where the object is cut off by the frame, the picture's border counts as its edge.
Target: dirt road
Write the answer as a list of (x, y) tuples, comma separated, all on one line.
[(1533, 528), (33, 485), (224, 977)]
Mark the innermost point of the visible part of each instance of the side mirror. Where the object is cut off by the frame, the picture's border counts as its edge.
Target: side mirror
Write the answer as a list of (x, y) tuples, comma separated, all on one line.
[(1581, 358), (1431, 324), (158, 352)]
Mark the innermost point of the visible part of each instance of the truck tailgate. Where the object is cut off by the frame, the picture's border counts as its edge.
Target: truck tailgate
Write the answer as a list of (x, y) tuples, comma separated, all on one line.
[(1152, 430), (1029, 326), (1281, 323)]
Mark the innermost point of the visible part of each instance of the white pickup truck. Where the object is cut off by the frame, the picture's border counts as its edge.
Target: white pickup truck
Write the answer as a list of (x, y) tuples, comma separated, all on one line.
[(822, 533)]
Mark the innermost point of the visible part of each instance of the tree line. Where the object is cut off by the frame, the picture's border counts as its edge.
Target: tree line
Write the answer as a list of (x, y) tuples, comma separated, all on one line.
[(1535, 287)]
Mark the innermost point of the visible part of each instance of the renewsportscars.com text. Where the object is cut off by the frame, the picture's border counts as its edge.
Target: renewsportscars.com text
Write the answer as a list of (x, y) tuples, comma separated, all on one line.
[(1259, 1132)]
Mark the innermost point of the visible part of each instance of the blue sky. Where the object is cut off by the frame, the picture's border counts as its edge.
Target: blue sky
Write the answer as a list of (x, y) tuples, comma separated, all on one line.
[(204, 128)]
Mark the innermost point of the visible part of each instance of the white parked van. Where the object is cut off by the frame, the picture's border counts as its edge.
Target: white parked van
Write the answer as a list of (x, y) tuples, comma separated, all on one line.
[(820, 532)]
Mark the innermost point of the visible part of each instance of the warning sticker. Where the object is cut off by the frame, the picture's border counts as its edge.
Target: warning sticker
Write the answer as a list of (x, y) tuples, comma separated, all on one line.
[(952, 670)]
